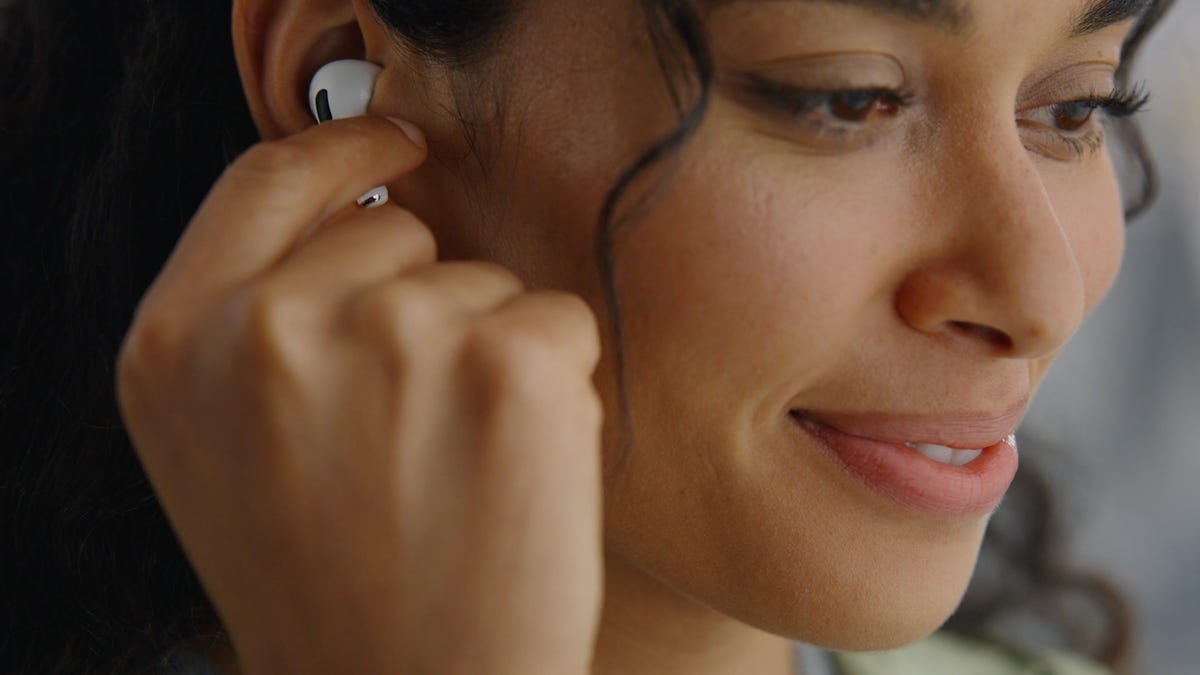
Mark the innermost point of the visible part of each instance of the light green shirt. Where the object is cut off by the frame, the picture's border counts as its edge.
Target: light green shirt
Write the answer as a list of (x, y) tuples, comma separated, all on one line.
[(939, 654), (947, 654)]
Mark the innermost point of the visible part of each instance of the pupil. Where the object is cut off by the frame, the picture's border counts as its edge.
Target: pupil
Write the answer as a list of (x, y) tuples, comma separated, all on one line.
[(854, 105), (1072, 116)]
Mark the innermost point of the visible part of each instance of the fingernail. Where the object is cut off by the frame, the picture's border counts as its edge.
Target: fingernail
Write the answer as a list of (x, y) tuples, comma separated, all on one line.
[(414, 134)]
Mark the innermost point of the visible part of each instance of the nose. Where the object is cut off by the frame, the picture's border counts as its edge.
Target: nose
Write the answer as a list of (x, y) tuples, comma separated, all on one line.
[(998, 270)]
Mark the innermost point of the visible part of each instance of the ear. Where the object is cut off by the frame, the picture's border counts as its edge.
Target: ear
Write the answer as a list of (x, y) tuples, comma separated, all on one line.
[(280, 44)]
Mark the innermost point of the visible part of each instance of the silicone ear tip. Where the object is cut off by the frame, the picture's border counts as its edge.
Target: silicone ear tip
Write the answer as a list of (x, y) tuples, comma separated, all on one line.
[(342, 89)]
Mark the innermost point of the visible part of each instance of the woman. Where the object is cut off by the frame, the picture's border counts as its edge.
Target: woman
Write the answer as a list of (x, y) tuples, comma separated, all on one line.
[(777, 279)]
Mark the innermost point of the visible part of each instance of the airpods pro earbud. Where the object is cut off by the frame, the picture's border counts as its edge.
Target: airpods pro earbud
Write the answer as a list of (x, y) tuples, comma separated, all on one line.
[(343, 89)]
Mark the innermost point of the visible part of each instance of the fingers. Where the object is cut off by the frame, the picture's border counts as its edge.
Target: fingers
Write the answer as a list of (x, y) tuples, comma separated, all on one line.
[(275, 193), (427, 303), (547, 322), (370, 246), (503, 325)]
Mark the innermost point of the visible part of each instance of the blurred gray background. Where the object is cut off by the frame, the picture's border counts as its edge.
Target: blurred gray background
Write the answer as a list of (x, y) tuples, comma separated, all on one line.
[(1123, 401)]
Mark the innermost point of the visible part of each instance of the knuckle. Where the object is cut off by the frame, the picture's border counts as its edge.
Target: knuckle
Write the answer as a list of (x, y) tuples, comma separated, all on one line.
[(415, 235), (401, 313), (272, 320), (151, 345), (573, 309), (576, 320), (496, 274), (266, 306), (509, 358)]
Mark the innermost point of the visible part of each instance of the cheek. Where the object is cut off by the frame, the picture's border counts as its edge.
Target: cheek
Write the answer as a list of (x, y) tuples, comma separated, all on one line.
[(758, 273), (761, 262)]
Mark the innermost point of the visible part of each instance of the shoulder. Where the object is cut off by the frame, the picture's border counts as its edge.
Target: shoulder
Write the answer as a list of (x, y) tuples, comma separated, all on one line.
[(945, 653)]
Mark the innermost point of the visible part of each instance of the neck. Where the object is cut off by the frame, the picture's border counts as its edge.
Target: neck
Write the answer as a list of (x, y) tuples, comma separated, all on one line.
[(647, 627)]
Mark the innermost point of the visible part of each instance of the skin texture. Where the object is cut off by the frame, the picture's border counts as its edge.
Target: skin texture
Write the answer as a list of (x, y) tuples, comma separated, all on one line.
[(931, 262)]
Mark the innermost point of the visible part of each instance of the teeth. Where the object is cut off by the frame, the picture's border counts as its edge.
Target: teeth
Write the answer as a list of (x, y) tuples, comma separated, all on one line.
[(944, 455), (964, 457)]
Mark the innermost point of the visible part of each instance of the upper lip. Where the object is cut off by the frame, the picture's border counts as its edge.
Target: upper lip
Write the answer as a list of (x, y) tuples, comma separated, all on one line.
[(961, 431)]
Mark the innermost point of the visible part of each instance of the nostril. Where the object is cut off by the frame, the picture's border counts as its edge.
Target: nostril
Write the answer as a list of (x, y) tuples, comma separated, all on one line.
[(989, 335)]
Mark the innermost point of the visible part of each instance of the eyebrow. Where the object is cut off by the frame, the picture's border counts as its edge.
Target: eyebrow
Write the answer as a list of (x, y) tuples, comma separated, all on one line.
[(949, 15), (1104, 13), (955, 17)]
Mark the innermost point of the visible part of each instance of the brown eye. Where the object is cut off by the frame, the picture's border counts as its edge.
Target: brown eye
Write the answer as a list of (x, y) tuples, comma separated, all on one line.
[(1072, 116), (858, 106)]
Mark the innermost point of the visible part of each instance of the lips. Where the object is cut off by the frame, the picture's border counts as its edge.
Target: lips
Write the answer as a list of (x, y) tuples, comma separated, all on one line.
[(967, 431), (942, 466)]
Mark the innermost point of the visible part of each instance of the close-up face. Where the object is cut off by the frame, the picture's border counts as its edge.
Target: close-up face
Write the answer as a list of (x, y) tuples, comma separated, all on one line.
[(886, 226)]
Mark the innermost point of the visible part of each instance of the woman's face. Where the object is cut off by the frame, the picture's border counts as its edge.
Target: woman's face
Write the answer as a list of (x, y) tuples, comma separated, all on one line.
[(901, 262)]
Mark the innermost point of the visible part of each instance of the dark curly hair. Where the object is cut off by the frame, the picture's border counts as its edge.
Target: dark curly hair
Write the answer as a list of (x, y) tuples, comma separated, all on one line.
[(104, 103)]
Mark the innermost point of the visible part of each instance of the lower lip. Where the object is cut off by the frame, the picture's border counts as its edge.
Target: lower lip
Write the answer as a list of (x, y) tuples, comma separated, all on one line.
[(916, 482)]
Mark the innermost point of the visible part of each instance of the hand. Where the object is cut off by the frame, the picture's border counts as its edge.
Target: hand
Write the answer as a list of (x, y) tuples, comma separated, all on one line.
[(376, 463)]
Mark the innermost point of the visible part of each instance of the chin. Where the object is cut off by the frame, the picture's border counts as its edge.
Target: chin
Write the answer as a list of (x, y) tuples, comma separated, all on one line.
[(876, 597), (883, 632), (859, 623), (803, 552), (888, 609)]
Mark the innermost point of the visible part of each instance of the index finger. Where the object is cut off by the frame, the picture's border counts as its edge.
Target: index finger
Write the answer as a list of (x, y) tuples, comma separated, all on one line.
[(275, 192)]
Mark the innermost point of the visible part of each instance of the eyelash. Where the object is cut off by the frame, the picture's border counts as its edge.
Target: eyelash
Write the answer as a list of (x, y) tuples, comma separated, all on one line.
[(798, 103), (1119, 103), (1114, 105)]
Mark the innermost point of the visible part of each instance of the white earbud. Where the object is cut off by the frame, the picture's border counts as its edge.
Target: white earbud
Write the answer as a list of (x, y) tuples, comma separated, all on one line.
[(343, 89)]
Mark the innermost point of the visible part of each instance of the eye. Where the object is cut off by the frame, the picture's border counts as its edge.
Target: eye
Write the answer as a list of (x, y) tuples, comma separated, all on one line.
[(854, 106), (1072, 129), (849, 105), (862, 104), (1073, 115), (820, 119)]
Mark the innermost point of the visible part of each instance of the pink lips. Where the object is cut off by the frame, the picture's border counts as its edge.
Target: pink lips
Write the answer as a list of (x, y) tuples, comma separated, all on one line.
[(871, 447)]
